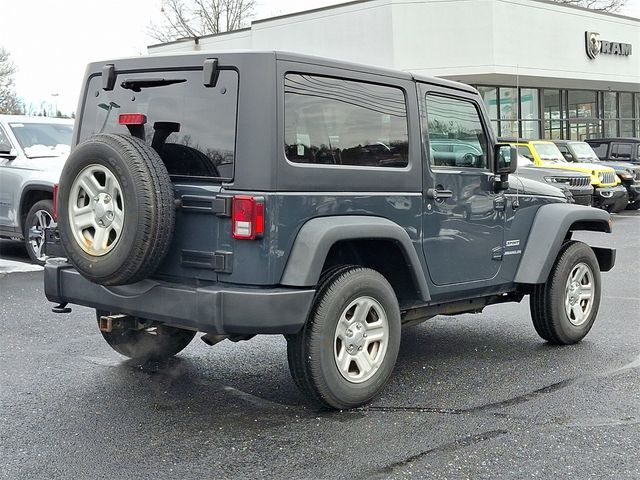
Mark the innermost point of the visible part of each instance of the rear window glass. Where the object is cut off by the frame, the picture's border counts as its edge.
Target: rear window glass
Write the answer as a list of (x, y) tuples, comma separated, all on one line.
[(192, 127), (344, 122)]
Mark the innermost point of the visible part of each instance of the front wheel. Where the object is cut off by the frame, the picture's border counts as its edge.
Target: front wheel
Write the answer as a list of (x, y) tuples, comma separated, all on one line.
[(40, 216), (346, 351), (154, 343), (563, 309)]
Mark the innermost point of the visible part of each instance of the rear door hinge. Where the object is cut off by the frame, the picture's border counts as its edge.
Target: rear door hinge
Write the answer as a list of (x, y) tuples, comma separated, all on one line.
[(219, 204), (219, 261)]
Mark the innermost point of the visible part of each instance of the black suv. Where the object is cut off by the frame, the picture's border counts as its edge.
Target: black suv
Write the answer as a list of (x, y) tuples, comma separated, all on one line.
[(270, 193), (616, 149)]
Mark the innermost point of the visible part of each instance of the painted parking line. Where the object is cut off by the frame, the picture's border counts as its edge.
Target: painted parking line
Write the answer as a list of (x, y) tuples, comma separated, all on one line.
[(11, 266)]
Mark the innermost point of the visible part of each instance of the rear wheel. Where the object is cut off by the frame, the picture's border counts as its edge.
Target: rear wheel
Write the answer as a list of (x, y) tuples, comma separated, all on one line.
[(151, 343), (40, 216), (564, 309), (346, 351)]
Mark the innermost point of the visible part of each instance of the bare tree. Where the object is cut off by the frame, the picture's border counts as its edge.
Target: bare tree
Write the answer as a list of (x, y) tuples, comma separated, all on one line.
[(195, 18), (601, 5), (9, 101)]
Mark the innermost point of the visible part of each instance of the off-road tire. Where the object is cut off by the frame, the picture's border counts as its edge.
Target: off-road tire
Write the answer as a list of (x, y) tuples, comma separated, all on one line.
[(310, 352), (155, 343), (547, 299), (149, 210), (633, 205), (42, 205)]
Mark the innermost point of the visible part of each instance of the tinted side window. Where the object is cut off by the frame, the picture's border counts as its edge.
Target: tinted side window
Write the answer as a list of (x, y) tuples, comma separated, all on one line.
[(600, 149), (194, 126), (621, 150), (344, 122), (456, 135)]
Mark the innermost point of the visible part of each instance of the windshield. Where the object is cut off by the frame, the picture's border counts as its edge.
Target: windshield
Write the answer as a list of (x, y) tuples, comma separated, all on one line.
[(43, 139), (549, 152), (584, 152)]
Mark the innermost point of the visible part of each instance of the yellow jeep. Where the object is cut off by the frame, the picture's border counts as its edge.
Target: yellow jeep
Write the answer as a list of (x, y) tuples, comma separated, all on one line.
[(608, 193)]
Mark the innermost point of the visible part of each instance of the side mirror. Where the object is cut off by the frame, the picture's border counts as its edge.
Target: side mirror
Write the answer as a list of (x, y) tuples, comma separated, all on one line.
[(8, 152), (568, 157), (506, 159)]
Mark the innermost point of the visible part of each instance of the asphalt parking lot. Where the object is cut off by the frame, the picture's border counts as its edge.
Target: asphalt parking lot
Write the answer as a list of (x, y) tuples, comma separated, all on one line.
[(473, 396)]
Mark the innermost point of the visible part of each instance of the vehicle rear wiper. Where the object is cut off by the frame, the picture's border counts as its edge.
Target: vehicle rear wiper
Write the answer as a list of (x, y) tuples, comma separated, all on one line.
[(139, 84)]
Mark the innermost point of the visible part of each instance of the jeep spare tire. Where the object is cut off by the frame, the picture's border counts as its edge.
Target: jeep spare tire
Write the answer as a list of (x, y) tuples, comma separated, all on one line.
[(115, 209)]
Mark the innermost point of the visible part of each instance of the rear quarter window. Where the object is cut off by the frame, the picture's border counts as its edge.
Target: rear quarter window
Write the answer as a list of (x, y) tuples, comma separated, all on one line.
[(199, 123), (344, 122)]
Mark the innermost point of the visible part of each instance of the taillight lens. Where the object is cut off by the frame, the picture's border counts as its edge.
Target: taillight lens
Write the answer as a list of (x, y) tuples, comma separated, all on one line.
[(132, 119), (55, 202), (247, 215)]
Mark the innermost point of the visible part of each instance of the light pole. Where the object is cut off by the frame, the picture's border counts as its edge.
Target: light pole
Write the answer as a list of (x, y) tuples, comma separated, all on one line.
[(55, 104)]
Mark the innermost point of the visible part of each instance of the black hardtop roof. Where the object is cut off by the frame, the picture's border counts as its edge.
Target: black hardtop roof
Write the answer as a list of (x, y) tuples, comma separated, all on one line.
[(565, 142), (614, 139), (195, 59)]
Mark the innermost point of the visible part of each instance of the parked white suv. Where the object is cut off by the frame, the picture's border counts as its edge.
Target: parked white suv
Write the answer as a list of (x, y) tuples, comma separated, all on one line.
[(32, 153)]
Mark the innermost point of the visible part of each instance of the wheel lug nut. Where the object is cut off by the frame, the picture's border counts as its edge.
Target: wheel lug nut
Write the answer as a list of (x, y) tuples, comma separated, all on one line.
[(364, 335), (360, 348), (358, 326), (349, 333), (107, 199)]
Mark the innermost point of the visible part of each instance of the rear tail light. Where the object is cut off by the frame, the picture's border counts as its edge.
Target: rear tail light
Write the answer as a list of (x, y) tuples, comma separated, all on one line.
[(132, 119), (247, 216), (55, 202)]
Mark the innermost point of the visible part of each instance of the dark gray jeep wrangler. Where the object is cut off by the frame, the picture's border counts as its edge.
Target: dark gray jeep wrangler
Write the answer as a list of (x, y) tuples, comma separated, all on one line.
[(268, 193)]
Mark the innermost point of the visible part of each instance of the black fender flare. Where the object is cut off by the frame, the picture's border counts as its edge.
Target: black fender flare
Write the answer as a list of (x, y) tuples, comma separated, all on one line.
[(31, 187), (318, 235), (548, 233)]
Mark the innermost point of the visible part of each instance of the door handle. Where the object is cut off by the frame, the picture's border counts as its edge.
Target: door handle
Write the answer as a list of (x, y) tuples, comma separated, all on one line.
[(438, 194)]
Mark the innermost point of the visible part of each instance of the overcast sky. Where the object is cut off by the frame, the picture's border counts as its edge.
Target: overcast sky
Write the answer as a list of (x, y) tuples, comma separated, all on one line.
[(51, 41)]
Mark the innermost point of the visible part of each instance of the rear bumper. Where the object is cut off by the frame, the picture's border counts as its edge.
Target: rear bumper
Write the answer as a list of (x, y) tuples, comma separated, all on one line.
[(212, 309)]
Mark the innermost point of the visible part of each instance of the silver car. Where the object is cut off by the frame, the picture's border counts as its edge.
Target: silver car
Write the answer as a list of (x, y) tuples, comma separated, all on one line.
[(32, 153)]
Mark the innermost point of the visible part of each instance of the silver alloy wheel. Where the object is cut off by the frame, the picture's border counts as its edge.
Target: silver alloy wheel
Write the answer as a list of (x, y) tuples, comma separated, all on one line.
[(41, 220), (361, 339), (96, 210), (578, 297)]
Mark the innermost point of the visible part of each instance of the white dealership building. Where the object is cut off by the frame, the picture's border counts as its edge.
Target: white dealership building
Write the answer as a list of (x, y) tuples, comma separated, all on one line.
[(543, 69)]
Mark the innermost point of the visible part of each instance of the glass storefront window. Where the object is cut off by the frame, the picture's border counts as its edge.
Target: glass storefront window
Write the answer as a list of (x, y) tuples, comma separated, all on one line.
[(509, 129), (562, 114), (626, 105), (508, 104), (582, 104), (583, 131), (552, 110), (490, 97), (529, 109), (610, 128), (626, 128), (610, 105), (553, 130), (530, 129)]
